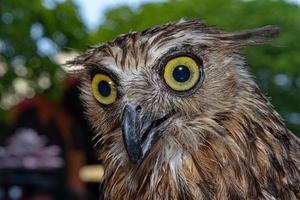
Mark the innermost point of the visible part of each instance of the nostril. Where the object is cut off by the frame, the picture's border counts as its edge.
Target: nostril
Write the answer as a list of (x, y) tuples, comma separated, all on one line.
[(138, 109)]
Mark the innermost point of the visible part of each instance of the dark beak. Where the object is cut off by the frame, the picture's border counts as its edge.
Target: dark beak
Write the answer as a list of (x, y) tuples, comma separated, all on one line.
[(131, 128), (140, 131)]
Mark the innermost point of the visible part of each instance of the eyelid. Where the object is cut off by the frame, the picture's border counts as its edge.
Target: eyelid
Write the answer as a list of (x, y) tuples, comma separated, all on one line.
[(178, 51), (175, 52), (97, 69)]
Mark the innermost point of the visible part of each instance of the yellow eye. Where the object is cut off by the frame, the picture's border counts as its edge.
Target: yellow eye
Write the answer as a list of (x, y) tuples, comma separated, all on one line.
[(104, 89), (182, 73)]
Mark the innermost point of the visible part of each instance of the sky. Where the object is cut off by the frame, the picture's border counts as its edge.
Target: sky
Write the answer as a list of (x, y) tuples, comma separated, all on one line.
[(93, 11)]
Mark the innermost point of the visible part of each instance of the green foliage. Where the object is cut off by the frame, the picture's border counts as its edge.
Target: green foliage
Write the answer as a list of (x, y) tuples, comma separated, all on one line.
[(278, 63), (276, 67), (30, 35)]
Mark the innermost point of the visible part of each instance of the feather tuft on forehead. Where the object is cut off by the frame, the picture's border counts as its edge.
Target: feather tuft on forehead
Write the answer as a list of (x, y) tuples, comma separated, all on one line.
[(155, 34)]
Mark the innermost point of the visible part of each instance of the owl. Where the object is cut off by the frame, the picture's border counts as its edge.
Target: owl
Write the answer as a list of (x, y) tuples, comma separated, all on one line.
[(178, 116)]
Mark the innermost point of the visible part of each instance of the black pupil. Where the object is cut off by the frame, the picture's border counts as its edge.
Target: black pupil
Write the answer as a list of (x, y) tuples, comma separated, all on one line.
[(104, 88), (181, 73)]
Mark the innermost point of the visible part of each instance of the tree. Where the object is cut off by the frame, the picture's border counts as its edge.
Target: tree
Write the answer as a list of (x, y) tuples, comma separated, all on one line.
[(276, 67), (31, 35)]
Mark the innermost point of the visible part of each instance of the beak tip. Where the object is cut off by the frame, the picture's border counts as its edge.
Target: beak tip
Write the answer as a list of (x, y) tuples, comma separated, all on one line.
[(135, 159)]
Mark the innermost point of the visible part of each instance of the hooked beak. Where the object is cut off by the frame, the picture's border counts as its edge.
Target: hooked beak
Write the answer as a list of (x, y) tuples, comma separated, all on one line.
[(140, 131)]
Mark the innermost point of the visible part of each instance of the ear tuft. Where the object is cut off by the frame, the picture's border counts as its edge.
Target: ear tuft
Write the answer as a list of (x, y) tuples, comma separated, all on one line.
[(252, 37)]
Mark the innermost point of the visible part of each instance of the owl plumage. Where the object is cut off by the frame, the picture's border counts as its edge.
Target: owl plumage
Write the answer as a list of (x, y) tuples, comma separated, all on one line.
[(178, 116)]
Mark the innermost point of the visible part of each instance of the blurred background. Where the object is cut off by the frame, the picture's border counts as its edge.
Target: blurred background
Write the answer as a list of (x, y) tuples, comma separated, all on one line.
[(46, 147)]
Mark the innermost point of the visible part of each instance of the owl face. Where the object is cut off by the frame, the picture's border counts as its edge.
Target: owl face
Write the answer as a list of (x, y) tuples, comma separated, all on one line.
[(143, 90)]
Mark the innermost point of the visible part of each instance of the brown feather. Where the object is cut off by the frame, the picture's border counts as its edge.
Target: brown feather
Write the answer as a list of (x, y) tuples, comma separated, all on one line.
[(225, 141)]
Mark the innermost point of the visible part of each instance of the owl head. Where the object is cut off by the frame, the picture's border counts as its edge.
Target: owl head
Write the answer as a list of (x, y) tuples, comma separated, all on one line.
[(144, 92)]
